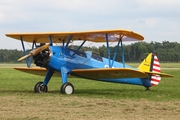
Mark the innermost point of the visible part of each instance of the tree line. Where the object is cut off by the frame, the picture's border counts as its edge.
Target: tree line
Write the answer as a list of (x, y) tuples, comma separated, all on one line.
[(135, 52)]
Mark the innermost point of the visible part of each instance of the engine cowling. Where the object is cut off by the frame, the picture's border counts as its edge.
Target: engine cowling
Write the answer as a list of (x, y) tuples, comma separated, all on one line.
[(42, 58)]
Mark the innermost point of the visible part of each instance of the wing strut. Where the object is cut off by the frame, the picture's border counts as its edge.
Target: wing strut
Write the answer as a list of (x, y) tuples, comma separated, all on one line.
[(28, 62), (79, 47), (69, 39), (50, 40), (108, 51), (31, 58), (115, 54), (64, 47), (122, 51)]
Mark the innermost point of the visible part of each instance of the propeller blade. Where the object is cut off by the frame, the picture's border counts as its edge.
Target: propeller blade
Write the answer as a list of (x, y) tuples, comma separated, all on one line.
[(24, 57), (40, 49), (34, 52)]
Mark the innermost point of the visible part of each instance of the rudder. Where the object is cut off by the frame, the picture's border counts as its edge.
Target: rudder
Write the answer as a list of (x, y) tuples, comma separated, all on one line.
[(151, 64)]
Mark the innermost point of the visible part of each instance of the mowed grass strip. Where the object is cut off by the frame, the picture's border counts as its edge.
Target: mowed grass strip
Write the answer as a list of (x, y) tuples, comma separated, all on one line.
[(91, 100)]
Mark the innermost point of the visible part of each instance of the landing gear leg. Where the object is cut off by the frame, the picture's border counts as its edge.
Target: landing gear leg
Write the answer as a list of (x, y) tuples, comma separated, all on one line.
[(41, 87), (66, 88)]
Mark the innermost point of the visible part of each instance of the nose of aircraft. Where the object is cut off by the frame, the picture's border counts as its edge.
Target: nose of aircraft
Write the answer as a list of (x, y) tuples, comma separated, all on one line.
[(34, 52)]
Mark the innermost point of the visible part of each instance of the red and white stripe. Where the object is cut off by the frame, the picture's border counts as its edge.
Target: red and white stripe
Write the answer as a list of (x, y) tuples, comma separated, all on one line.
[(155, 79)]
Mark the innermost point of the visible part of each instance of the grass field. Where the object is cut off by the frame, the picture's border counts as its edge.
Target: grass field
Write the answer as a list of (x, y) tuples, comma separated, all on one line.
[(92, 100)]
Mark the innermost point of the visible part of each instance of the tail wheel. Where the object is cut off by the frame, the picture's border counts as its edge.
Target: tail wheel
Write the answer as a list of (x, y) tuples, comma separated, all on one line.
[(40, 88), (148, 88), (67, 88)]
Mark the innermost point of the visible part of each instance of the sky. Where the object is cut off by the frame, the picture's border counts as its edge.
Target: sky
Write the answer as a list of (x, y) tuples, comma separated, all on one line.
[(156, 20)]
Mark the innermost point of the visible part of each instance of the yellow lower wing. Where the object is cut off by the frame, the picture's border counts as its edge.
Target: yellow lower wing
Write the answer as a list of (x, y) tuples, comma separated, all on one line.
[(113, 73), (35, 71)]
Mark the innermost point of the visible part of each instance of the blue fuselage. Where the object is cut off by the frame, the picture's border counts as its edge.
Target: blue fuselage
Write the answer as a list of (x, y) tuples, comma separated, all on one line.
[(72, 59)]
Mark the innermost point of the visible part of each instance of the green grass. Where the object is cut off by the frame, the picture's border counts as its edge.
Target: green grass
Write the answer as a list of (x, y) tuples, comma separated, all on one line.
[(91, 100), (15, 82)]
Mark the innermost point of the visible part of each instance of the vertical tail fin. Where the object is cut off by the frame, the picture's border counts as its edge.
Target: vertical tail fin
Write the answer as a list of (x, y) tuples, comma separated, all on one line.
[(155, 79), (151, 64)]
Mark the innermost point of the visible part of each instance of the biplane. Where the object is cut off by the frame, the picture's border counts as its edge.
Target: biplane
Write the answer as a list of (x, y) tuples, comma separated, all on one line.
[(51, 58)]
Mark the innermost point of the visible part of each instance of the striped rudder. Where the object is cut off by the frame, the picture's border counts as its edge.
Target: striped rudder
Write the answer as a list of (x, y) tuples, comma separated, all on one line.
[(149, 65), (155, 67)]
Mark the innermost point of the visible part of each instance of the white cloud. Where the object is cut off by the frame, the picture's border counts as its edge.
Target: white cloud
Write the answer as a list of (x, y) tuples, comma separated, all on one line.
[(160, 3), (1, 17), (151, 22)]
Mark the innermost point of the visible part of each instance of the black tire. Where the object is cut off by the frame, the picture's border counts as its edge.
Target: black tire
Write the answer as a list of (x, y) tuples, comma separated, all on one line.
[(67, 88), (40, 88)]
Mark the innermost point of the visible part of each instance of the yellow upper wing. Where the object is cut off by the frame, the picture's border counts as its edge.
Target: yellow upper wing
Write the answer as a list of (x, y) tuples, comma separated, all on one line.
[(94, 36), (109, 73)]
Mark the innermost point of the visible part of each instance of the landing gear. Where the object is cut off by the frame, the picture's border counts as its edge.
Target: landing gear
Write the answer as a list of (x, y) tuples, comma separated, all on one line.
[(40, 88), (67, 88), (148, 88)]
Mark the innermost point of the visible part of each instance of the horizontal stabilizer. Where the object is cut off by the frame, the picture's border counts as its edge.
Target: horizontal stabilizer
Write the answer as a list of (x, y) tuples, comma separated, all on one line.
[(159, 74)]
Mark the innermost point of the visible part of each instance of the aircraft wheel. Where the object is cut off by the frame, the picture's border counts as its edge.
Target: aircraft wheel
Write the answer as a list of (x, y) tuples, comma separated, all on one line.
[(67, 88), (40, 88)]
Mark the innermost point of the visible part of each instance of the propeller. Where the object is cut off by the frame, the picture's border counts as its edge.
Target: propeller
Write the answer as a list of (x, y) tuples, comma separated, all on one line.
[(34, 52)]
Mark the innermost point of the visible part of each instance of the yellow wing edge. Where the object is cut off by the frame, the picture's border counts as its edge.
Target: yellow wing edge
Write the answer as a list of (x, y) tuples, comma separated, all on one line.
[(160, 74), (110, 73), (31, 37), (100, 72), (35, 71)]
